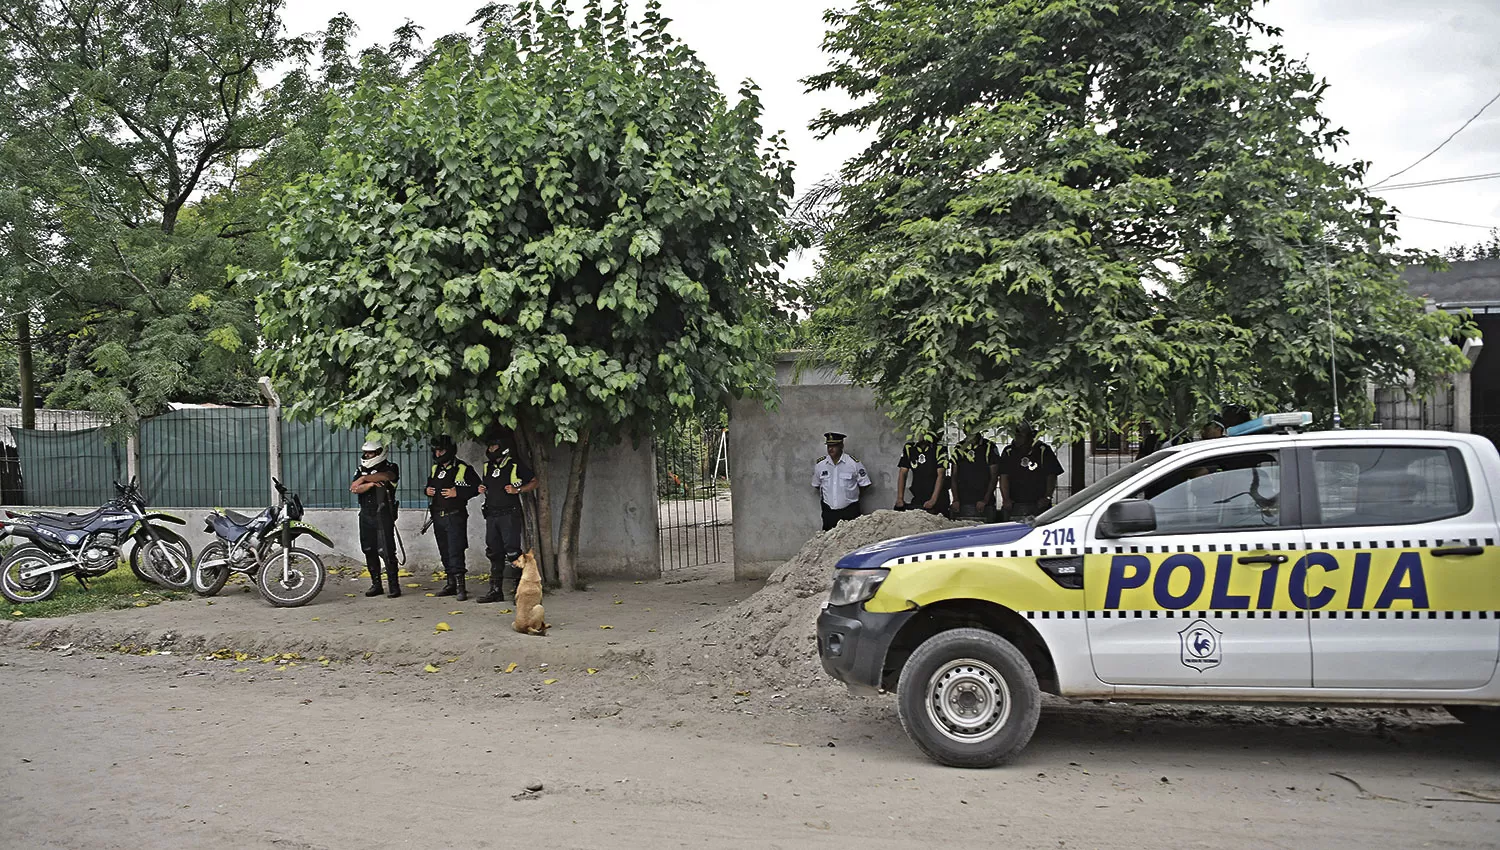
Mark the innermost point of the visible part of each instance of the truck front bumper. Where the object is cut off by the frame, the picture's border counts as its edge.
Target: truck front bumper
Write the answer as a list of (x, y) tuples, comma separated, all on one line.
[(853, 643)]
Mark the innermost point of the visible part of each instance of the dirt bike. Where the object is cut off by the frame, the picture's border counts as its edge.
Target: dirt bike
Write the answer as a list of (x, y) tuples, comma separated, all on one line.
[(90, 545), (264, 548)]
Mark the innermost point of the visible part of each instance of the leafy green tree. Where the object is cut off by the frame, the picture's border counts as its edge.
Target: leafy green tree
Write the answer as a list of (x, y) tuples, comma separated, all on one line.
[(1488, 249), (568, 230), (1087, 212)]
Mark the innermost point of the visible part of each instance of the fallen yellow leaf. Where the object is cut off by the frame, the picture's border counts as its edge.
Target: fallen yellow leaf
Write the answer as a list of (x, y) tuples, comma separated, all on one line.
[(455, 612), (506, 611), (367, 655), (324, 662), (429, 594), (350, 595), (549, 681), (282, 667), (18, 613), (742, 693), (142, 604), (592, 671), (452, 660), (651, 630), (511, 668), (619, 602), (384, 620), (414, 584), (443, 627), (606, 627), (242, 669), (431, 668), (315, 619)]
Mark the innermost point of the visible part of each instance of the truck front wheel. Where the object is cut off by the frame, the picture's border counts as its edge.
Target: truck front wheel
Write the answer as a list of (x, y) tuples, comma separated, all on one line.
[(968, 698)]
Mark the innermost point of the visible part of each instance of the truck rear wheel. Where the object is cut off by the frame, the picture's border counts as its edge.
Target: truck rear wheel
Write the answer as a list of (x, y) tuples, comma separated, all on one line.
[(968, 698)]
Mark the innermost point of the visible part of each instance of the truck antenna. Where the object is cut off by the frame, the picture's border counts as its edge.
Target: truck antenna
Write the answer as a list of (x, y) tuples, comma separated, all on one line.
[(1333, 362)]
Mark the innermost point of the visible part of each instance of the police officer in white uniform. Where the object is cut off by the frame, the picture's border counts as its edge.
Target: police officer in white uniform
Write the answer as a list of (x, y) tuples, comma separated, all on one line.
[(839, 478)]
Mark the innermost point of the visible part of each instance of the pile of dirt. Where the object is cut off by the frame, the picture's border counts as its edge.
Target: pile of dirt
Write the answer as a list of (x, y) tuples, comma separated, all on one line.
[(769, 639)]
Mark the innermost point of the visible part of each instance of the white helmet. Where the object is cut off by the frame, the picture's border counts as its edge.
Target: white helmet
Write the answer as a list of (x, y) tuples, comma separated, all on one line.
[(372, 453)]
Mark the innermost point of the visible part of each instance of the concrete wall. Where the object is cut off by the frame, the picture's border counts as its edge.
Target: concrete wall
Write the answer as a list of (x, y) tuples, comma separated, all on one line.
[(618, 538), (771, 454), (619, 535)]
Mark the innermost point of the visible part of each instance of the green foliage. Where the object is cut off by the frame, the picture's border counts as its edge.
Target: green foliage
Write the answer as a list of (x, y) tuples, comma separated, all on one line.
[(566, 224), (1488, 249), (1086, 212)]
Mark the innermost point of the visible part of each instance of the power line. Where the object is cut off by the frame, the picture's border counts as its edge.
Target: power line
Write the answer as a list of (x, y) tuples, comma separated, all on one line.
[(1444, 181), (1454, 223), (1471, 120)]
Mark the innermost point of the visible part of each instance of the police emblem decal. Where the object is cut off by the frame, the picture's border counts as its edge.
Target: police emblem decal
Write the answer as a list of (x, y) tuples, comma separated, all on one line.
[(1201, 646)]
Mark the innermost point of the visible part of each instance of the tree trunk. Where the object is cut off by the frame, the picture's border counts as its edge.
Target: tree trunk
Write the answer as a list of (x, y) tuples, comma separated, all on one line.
[(24, 369), (542, 539), (567, 557)]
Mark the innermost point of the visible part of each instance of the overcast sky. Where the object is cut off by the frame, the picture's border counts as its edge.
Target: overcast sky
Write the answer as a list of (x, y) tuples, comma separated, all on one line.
[(1403, 75)]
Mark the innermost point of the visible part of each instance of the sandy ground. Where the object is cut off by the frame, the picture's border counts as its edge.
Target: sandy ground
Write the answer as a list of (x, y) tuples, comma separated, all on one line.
[(172, 726)]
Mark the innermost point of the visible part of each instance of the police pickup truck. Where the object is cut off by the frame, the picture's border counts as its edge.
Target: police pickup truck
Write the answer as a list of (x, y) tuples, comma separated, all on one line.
[(1349, 567)]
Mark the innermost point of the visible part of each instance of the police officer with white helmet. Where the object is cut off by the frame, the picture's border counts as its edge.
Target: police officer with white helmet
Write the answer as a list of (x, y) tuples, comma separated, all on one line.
[(375, 484)]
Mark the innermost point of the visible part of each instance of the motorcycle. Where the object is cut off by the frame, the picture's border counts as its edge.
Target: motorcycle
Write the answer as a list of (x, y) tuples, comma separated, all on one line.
[(264, 548), (90, 545)]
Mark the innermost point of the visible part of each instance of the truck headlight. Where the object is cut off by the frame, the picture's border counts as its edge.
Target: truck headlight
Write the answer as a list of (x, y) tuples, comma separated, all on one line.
[(851, 586)]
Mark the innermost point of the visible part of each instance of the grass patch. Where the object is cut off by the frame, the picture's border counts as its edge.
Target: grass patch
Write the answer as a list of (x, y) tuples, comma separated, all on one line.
[(118, 588)]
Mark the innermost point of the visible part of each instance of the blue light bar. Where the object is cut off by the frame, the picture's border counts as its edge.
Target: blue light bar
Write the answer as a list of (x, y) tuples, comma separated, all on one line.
[(1271, 422)]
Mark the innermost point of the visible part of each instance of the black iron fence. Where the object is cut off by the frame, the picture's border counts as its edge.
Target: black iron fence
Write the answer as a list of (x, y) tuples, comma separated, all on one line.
[(692, 487)]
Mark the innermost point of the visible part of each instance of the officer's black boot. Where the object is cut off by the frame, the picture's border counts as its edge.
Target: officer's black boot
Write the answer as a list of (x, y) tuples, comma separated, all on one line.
[(393, 581), (495, 594), (449, 587), (512, 579), (375, 588), (463, 592)]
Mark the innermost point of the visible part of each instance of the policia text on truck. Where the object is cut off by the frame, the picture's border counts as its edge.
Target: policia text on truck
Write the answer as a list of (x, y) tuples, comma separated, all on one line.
[(1344, 567)]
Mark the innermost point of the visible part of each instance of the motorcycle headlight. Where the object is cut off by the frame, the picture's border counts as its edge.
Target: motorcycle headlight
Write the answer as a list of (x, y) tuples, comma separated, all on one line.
[(851, 586)]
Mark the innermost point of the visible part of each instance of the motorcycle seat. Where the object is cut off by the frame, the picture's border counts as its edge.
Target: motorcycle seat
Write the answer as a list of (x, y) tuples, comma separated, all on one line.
[(238, 519), (71, 521)]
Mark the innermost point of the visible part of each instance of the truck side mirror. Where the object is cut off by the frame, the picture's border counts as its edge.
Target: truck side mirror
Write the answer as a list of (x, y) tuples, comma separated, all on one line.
[(1128, 516)]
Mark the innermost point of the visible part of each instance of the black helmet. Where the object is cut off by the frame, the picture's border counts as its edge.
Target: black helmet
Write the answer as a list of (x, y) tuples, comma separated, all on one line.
[(498, 436), (443, 443)]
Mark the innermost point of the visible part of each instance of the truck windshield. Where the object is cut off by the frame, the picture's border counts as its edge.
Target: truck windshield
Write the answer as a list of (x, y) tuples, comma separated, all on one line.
[(1087, 494)]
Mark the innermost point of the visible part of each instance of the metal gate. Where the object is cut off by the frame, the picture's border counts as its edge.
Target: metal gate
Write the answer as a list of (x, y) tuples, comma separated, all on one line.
[(692, 494)]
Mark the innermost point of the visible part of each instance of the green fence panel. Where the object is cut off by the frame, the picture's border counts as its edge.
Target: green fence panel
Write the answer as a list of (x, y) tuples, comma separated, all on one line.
[(205, 458), (68, 468)]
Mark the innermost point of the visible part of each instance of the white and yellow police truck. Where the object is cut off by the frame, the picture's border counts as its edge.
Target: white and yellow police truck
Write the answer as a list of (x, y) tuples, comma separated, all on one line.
[(1345, 567)]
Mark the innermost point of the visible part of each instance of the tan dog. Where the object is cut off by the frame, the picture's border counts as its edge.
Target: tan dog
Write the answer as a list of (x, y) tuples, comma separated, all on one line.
[(529, 614)]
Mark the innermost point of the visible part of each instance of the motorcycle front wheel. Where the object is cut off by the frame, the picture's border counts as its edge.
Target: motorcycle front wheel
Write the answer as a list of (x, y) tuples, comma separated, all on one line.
[(169, 559), (211, 569), (20, 590), (293, 583)]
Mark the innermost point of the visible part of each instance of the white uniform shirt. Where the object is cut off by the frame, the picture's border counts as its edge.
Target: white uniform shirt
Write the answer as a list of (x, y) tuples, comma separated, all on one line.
[(839, 482)]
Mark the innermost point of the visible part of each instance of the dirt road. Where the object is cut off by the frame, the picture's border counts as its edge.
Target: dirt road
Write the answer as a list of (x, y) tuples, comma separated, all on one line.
[(107, 750)]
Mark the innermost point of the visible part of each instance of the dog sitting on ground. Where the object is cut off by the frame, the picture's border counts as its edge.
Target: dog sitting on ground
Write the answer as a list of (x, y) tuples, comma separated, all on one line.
[(529, 614)]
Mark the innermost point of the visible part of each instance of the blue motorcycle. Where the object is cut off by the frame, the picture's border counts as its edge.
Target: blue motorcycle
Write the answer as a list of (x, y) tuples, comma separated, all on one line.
[(90, 545), (263, 547)]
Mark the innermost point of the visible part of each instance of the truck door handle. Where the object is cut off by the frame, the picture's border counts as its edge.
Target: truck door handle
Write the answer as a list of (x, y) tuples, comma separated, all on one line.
[(1268, 560), (1458, 551)]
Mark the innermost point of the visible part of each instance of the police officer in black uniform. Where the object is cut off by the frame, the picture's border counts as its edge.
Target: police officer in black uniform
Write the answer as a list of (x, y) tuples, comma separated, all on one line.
[(451, 484), (506, 477), (375, 483), (1028, 475), (926, 463)]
